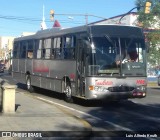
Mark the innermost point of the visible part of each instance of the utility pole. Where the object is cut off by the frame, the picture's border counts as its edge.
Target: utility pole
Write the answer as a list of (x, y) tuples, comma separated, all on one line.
[(86, 17)]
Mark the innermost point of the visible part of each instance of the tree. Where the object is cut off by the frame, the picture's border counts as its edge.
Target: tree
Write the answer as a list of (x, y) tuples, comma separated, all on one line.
[(151, 23)]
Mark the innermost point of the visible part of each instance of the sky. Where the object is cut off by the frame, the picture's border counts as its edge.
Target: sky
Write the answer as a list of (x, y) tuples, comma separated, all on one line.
[(17, 16)]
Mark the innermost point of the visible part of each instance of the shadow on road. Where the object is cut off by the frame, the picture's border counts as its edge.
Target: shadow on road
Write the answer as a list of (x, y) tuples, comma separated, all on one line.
[(127, 115)]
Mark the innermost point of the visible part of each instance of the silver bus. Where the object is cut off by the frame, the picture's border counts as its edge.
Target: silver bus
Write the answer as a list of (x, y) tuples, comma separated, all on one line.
[(81, 62)]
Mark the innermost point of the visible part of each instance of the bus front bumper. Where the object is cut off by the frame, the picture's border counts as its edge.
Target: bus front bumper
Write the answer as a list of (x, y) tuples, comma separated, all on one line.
[(116, 95)]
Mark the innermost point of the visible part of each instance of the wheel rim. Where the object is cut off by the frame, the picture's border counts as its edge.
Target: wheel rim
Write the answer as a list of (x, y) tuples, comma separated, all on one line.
[(28, 84), (68, 92)]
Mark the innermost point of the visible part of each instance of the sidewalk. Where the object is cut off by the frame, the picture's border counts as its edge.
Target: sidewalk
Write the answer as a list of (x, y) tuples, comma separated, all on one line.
[(34, 115)]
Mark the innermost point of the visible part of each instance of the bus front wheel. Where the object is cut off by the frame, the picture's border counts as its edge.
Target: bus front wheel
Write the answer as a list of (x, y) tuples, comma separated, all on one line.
[(28, 84), (68, 92)]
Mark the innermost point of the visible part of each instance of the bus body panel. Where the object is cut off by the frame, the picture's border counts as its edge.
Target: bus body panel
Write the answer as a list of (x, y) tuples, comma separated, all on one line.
[(105, 87), (46, 74), (28, 65), (15, 66)]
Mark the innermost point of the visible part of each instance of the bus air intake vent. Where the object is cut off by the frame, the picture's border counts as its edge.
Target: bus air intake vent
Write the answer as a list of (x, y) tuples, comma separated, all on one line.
[(120, 89)]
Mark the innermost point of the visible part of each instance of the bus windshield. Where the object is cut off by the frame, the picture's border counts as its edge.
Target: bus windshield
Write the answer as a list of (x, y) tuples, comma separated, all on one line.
[(115, 56)]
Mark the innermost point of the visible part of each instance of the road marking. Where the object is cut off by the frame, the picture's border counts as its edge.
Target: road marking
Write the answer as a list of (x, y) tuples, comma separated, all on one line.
[(86, 114)]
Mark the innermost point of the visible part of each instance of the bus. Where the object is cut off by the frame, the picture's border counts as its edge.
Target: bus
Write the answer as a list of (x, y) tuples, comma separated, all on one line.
[(80, 62)]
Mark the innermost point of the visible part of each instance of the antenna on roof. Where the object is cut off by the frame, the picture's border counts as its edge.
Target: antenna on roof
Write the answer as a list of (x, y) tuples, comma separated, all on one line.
[(43, 24)]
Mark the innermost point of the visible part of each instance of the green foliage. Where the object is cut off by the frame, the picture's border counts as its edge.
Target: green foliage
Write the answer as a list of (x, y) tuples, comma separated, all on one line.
[(151, 19), (151, 22)]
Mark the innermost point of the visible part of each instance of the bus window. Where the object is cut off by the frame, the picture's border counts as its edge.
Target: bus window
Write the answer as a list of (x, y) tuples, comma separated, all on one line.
[(23, 47), (29, 54), (16, 50), (69, 48), (52, 49), (57, 48), (140, 52), (30, 49), (39, 54), (35, 48), (47, 47)]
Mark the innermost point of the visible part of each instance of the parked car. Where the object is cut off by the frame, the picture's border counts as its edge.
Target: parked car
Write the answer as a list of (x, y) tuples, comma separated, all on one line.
[(2, 67)]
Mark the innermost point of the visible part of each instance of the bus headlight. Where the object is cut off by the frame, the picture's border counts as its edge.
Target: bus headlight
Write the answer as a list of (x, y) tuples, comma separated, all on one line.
[(99, 88)]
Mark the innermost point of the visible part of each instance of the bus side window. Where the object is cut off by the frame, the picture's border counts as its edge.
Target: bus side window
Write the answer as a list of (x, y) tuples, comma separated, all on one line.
[(69, 48), (43, 51), (16, 50), (30, 49), (35, 48), (39, 54), (23, 47), (57, 48), (52, 49), (47, 48), (29, 54)]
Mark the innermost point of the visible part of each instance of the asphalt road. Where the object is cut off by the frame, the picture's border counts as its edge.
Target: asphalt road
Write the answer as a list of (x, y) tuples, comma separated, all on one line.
[(139, 115)]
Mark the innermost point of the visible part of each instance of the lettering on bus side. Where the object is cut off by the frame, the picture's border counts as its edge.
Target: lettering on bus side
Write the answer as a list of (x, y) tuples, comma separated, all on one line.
[(103, 82), (141, 82), (40, 67)]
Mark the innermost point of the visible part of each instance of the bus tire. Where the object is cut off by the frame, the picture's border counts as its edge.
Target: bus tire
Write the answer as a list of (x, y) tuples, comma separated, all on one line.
[(28, 84), (68, 92)]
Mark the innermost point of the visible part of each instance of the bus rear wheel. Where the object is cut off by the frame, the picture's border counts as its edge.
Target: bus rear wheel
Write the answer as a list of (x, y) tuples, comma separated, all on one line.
[(68, 92), (28, 84)]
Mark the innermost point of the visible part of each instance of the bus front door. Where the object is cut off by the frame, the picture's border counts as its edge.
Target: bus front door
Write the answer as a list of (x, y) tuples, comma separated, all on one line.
[(81, 68)]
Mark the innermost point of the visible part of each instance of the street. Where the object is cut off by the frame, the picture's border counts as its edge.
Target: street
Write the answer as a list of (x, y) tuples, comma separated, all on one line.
[(138, 115)]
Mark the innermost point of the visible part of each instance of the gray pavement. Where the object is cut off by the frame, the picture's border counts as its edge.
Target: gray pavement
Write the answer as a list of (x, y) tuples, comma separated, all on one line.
[(34, 115)]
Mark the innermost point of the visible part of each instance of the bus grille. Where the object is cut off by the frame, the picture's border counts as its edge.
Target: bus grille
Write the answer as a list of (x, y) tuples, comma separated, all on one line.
[(120, 89)]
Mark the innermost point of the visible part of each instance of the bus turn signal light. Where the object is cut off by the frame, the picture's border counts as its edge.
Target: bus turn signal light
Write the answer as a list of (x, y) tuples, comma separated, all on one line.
[(91, 87)]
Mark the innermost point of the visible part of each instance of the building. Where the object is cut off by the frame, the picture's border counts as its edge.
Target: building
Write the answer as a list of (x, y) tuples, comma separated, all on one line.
[(6, 45)]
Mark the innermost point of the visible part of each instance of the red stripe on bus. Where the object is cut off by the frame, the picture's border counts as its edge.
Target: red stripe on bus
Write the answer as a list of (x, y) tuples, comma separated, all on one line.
[(40, 70)]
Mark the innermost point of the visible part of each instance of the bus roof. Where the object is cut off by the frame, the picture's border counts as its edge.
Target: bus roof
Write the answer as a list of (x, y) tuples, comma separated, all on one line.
[(95, 30)]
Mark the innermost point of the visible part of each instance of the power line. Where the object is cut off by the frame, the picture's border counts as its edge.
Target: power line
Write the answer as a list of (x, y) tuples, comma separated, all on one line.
[(48, 20), (19, 18), (35, 19)]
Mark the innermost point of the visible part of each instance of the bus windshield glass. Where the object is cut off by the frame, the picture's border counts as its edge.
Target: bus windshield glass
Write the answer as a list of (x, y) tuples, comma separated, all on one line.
[(116, 56)]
